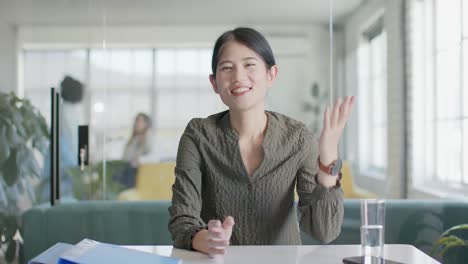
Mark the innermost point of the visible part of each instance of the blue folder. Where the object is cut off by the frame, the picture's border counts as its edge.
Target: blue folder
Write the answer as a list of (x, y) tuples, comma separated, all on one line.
[(51, 255), (89, 251)]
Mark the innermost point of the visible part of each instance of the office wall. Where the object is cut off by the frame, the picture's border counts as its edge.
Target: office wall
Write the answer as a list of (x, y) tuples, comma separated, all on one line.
[(302, 52), (302, 48), (7, 57)]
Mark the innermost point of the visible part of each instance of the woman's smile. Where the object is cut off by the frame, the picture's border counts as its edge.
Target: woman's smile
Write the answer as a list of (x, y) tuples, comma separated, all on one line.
[(239, 91)]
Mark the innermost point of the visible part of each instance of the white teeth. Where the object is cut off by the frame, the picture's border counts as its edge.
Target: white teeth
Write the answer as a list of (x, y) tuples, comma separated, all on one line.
[(240, 90)]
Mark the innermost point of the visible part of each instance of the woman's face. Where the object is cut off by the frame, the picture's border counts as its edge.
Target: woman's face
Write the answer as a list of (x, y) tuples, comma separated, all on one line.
[(140, 125), (242, 78)]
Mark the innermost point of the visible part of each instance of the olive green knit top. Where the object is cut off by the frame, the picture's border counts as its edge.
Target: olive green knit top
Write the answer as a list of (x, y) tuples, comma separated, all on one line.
[(212, 183)]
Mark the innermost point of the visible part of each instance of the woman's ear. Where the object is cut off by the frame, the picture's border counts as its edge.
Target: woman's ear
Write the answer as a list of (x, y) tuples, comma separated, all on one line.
[(271, 75), (213, 83)]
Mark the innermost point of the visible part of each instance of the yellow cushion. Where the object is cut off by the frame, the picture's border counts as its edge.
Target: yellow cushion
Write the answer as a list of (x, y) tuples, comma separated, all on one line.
[(349, 188), (153, 182)]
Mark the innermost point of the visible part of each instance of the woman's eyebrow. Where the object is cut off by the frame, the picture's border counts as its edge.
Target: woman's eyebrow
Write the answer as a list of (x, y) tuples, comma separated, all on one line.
[(224, 61), (244, 59), (250, 58)]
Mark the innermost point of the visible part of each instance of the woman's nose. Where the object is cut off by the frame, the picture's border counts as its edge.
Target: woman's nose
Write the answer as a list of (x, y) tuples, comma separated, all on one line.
[(239, 74)]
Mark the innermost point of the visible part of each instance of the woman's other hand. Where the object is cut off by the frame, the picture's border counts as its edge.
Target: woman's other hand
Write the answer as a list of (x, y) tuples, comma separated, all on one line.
[(333, 126), (214, 240)]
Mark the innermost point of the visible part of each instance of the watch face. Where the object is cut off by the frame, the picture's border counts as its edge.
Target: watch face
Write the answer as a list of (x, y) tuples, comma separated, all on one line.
[(336, 167)]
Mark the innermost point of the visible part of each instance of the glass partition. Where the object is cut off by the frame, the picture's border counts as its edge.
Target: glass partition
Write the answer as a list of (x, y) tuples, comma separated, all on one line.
[(143, 76)]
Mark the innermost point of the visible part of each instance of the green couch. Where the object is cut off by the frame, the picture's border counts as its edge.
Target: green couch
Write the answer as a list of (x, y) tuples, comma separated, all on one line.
[(416, 222)]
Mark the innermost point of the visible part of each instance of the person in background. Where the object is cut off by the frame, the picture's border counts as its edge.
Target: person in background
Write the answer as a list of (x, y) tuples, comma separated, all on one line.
[(139, 143), (71, 116), (137, 150)]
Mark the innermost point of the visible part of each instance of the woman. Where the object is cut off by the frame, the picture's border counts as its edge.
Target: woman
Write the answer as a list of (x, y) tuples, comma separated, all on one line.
[(137, 150), (138, 145), (236, 171)]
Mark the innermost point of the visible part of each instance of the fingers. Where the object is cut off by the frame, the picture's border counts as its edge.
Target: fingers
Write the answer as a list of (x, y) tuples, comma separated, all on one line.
[(214, 224), (216, 251), (326, 119), (339, 113), (335, 114), (345, 110), (219, 235), (215, 229), (217, 243), (228, 222), (351, 104), (344, 107)]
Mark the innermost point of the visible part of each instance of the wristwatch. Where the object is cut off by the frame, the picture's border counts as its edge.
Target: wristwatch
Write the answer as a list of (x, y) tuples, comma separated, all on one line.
[(333, 169)]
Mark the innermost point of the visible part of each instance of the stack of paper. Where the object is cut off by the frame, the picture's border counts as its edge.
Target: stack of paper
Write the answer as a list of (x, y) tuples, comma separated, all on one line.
[(92, 252)]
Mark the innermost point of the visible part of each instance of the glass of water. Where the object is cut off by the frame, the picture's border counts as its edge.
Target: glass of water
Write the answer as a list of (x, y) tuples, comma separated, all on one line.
[(372, 227)]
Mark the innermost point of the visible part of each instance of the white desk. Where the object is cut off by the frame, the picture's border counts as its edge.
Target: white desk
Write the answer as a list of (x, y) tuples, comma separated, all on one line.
[(332, 254)]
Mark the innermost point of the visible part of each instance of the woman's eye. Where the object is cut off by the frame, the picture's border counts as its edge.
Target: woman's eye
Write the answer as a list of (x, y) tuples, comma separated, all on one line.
[(250, 65), (226, 68)]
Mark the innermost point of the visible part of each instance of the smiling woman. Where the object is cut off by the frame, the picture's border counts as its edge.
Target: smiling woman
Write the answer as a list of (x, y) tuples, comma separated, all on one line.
[(236, 171)]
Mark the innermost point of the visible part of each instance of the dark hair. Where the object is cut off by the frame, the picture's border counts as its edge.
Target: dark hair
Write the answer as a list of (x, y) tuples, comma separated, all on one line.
[(71, 90), (145, 117), (249, 37)]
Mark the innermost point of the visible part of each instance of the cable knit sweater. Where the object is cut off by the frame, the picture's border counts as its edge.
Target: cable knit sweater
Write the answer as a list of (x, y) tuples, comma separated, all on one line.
[(212, 183)]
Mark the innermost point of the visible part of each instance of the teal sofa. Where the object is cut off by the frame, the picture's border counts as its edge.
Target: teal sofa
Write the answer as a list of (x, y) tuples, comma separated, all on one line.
[(416, 222)]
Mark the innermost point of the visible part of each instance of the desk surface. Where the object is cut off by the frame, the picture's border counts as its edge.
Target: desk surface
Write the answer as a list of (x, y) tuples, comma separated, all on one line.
[(332, 254)]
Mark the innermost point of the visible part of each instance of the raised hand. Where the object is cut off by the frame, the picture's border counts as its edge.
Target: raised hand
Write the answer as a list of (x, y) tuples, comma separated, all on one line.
[(214, 240), (334, 122)]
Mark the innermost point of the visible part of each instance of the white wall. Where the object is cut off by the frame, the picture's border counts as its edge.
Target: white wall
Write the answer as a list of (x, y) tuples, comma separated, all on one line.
[(90, 23), (301, 52), (7, 57)]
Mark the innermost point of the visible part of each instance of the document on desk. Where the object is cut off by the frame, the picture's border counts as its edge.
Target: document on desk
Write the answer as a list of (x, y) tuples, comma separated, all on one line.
[(89, 251)]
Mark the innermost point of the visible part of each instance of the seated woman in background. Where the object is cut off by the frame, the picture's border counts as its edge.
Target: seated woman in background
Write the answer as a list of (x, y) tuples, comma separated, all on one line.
[(236, 171), (137, 149)]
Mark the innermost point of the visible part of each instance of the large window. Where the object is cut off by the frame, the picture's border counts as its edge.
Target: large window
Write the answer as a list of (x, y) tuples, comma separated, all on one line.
[(373, 101), (439, 93), (170, 85)]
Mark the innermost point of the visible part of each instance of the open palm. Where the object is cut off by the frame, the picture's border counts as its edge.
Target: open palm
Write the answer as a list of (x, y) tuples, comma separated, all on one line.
[(334, 122)]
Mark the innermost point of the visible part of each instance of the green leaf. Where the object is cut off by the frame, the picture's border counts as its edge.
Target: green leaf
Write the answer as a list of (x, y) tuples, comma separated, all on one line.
[(440, 244), (455, 228), (13, 137), (10, 253), (26, 162), (10, 227), (10, 169), (445, 243), (41, 143), (43, 124), (4, 146), (459, 243)]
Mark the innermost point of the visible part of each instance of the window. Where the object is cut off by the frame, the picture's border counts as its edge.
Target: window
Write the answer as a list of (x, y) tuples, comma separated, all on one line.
[(170, 85), (439, 93), (45, 69), (373, 105)]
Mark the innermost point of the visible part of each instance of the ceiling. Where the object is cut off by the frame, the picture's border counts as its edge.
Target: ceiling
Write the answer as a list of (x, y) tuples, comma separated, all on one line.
[(79, 12)]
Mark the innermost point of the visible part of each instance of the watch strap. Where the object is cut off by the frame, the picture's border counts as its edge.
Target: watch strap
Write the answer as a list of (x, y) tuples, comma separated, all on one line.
[(328, 169)]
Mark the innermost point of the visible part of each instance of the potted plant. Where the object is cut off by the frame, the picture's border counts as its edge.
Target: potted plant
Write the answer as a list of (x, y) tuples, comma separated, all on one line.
[(88, 182), (316, 105), (23, 137), (451, 247)]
